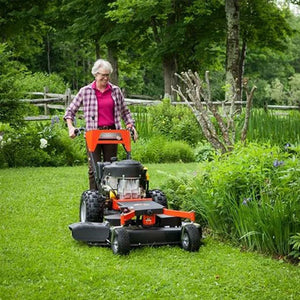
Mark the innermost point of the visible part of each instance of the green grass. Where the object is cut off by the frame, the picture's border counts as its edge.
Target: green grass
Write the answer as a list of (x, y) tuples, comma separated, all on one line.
[(40, 260)]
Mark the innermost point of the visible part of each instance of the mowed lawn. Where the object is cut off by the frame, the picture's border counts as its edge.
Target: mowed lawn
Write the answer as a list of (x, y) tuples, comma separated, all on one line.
[(40, 260)]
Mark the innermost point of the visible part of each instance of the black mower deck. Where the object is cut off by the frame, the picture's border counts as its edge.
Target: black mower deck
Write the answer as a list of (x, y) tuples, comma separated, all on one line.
[(142, 207), (166, 231)]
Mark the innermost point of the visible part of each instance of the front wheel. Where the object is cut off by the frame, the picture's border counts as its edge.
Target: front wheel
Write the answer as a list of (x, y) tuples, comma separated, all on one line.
[(159, 197), (91, 207), (190, 238), (120, 243)]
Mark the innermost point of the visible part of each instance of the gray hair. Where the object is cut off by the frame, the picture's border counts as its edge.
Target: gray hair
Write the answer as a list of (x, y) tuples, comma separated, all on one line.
[(101, 63)]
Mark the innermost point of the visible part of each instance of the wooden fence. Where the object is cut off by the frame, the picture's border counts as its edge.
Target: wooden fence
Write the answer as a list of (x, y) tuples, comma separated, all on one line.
[(61, 102)]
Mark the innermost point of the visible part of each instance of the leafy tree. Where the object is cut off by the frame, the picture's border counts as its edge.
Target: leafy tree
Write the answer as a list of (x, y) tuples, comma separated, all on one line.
[(22, 27), (11, 109), (167, 31), (294, 94), (258, 23), (275, 91)]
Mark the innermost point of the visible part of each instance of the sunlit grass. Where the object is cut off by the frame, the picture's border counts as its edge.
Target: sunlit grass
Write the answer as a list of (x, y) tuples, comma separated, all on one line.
[(40, 260)]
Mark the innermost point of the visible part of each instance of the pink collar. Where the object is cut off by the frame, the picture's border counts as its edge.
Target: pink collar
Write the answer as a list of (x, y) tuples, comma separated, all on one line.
[(108, 87)]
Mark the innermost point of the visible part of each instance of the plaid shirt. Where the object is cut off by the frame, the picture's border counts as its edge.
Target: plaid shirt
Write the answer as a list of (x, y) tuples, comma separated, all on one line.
[(86, 97)]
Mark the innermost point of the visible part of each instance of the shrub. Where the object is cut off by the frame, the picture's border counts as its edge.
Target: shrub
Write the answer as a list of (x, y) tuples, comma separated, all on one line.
[(250, 196), (295, 243), (35, 82), (175, 122), (204, 151), (11, 71), (39, 145), (160, 150)]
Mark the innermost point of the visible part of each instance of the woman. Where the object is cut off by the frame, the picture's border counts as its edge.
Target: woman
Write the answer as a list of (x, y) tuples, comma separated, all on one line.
[(103, 107)]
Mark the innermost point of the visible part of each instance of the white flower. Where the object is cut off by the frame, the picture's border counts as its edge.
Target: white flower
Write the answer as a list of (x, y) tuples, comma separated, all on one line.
[(43, 143)]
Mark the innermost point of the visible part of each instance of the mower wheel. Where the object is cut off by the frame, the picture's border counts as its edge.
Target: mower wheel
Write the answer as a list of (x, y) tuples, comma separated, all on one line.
[(158, 197), (190, 238), (91, 207), (120, 243)]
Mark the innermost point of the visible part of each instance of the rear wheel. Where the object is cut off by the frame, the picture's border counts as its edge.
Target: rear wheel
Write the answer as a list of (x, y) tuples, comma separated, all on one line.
[(190, 238), (91, 207), (158, 197), (120, 243)]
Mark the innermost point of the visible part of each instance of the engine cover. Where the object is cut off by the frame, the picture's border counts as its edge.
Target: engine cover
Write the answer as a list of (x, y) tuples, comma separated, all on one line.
[(123, 168)]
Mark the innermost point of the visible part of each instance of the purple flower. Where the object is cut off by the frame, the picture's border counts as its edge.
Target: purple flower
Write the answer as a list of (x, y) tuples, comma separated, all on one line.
[(246, 200), (54, 120), (277, 163)]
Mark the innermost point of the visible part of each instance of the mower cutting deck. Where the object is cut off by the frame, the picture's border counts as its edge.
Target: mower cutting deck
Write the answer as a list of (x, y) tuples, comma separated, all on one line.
[(123, 212)]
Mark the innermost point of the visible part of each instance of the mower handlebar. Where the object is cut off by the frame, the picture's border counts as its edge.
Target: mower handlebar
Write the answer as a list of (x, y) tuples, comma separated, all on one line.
[(79, 130), (131, 133)]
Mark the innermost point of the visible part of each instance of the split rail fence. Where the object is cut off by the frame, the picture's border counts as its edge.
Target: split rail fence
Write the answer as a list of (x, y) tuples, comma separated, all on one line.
[(61, 102)]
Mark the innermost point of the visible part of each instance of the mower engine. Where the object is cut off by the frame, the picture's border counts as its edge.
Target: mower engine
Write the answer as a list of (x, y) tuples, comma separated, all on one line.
[(126, 179)]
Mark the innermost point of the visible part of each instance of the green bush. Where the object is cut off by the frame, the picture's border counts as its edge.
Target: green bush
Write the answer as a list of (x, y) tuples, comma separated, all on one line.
[(204, 151), (251, 196), (11, 71), (159, 149), (40, 145), (37, 144), (36, 82), (176, 122)]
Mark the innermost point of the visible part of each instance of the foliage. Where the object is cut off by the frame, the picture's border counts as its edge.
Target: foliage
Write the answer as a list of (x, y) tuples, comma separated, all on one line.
[(36, 82), (294, 83), (264, 65), (11, 109), (39, 145), (56, 37), (275, 91), (250, 197), (204, 152), (22, 27), (176, 122), (275, 127), (288, 95), (49, 145), (295, 243), (158, 149)]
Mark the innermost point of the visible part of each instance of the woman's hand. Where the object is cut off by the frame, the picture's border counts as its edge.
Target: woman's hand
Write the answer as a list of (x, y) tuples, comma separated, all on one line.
[(72, 134), (134, 134), (71, 128)]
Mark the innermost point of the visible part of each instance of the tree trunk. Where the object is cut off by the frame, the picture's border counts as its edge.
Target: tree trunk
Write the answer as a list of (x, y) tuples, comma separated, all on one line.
[(48, 54), (242, 67), (169, 66), (113, 59), (97, 49), (232, 49)]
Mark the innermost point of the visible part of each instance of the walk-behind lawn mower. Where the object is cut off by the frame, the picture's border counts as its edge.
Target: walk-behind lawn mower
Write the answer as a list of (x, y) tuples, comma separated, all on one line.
[(123, 212)]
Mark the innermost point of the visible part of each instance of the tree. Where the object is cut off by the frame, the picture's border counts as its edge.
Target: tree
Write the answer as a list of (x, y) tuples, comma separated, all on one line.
[(11, 109), (197, 95), (22, 27), (251, 24), (167, 31), (233, 70)]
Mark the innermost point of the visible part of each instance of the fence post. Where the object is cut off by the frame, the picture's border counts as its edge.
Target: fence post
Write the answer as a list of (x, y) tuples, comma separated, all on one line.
[(68, 97), (46, 109)]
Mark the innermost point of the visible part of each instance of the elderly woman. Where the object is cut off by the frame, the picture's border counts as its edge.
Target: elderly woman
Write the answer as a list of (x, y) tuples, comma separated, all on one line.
[(103, 106)]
